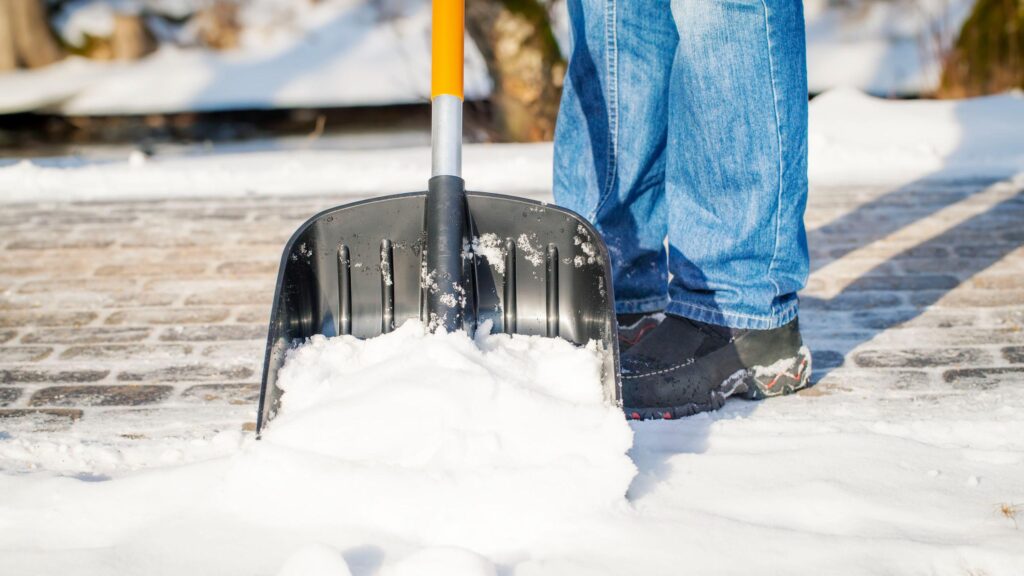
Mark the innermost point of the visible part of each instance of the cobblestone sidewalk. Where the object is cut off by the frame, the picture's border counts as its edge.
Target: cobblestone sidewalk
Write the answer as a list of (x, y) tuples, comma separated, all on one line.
[(154, 314)]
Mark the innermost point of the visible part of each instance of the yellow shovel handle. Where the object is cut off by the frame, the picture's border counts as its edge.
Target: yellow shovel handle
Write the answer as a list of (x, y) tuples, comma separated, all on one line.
[(447, 46)]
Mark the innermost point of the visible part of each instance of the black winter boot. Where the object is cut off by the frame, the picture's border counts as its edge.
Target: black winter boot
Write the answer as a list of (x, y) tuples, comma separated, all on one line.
[(683, 366)]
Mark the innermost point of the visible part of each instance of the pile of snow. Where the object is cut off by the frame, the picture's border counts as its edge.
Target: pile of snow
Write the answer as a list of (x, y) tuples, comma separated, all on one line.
[(427, 453), (449, 432), (854, 139)]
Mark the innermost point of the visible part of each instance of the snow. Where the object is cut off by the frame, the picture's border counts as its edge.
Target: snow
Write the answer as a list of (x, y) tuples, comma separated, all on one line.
[(417, 454), (885, 48), (78, 19), (413, 454), (437, 449), (859, 138), (292, 55), (357, 52), (854, 138)]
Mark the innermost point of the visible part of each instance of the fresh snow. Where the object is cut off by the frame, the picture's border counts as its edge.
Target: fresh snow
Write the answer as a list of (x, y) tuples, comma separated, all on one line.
[(854, 139), (415, 454)]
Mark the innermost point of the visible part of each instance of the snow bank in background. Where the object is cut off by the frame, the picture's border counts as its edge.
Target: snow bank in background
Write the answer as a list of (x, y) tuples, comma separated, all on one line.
[(293, 55), (886, 48), (357, 52), (856, 138), (853, 139), (519, 168)]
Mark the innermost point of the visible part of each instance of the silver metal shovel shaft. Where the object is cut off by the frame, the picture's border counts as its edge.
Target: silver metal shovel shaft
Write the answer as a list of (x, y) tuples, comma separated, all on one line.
[(446, 135)]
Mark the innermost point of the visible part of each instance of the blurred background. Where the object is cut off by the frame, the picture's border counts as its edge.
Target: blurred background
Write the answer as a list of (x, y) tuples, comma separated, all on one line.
[(80, 75)]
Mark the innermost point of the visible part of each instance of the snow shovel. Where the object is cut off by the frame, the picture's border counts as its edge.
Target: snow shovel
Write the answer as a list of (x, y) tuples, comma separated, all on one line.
[(455, 260)]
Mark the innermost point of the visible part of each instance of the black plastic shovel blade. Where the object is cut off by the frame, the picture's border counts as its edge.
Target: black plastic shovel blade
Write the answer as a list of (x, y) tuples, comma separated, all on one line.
[(358, 269)]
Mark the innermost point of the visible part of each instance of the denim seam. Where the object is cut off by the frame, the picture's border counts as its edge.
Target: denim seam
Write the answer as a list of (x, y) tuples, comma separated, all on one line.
[(612, 83), (778, 135), (658, 302), (775, 317)]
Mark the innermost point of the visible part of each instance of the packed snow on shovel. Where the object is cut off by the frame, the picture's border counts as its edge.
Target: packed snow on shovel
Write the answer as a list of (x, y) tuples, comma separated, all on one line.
[(410, 453)]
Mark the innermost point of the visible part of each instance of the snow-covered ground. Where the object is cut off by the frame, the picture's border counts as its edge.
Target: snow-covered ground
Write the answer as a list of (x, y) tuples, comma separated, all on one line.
[(506, 460), (359, 52), (436, 454), (854, 139)]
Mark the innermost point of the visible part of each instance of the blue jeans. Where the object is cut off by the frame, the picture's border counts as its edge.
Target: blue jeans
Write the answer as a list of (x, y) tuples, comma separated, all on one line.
[(683, 137)]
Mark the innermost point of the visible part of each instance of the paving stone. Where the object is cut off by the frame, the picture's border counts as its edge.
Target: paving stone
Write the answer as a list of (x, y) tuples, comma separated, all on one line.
[(175, 269), (214, 332), (19, 303), (109, 395), (852, 380), (984, 378), (44, 318), (68, 285), (825, 359), (187, 373), (952, 337), (35, 268), (59, 244), (1014, 354), (232, 297), (919, 357), (9, 395), (125, 352), (9, 354), (853, 301), (903, 283), (243, 267), (253, 315), (988, 251), (998, 281), (46, 417), (36, 375), (237, 394), (87, 335), (961, 267), (168, 316), (247, 350), (968, 298), (911, 318)]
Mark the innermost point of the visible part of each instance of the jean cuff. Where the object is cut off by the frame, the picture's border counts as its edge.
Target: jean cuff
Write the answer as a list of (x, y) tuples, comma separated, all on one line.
[(655, 304), (784, 315)]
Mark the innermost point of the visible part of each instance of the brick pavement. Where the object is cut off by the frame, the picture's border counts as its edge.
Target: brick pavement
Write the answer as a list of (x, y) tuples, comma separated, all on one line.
[(156, 311)]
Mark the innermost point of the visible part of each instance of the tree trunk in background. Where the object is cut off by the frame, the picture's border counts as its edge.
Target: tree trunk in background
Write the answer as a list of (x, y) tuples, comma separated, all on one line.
[(525, 63), (131, 40), (8, 57), (989, 54), (33, 39)]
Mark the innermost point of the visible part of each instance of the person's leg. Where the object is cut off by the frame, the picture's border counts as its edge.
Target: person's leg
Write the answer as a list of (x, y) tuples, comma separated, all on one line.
[(736, 177), (611, 136), (735, 188)]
